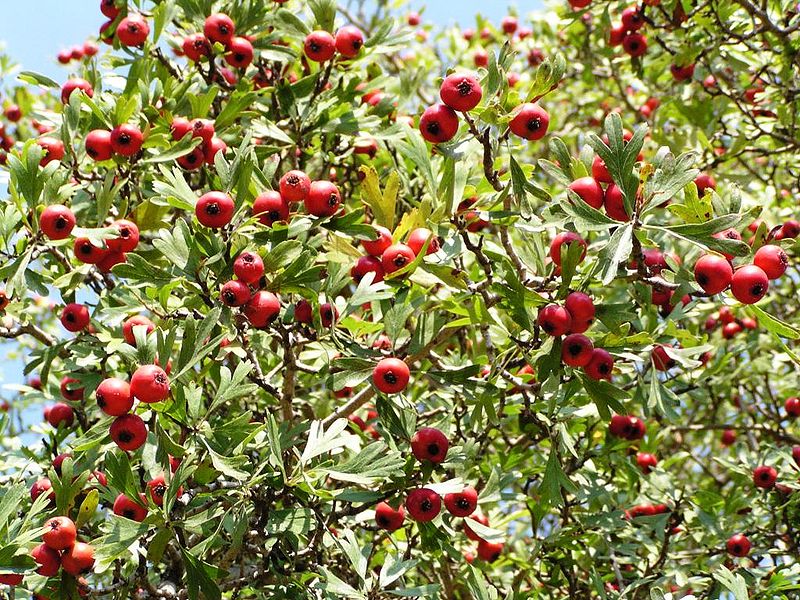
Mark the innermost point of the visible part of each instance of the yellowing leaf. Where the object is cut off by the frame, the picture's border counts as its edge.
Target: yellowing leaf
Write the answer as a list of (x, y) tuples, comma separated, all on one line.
[(382, 204)]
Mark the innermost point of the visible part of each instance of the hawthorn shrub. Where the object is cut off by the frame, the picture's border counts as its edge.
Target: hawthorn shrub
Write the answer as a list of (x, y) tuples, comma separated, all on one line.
[(321, 303)]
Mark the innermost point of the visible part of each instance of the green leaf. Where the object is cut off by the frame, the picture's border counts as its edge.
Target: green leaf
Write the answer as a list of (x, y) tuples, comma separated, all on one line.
[(88, 508), (381, 203), (615, 253), (181, 148), (200, 577), (37, 79), (324, 13), (773, 324), (733, 582)]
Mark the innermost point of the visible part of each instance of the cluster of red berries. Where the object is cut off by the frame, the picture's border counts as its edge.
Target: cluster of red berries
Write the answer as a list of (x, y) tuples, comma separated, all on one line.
[(385, 257), (136, 510), (424, 504), (592, 193), (731, 324), (626, 33), (633, 428), (86, 50), (206, 151), (260, 307), (321, 46), (61, 549), (219, 28), (132, 30)]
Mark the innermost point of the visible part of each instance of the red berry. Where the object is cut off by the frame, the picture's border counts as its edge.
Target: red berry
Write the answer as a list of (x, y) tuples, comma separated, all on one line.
[(728, 437), (59, 414), (53, 150), (463, 503), (530, 121), (109, 8), (70, 391), (270, 207), (240, 53), (388, 518), (86, 252), (417, 239), (319, 46), (57, 221), (114, 397), (634, 44), (478, 518), (647, 462), (128, 237), (378, 246), (78, 559), (764, 476), (214, 209), (391, 375), (792, 406), (262, 309), (704, 182), (554, 320), (614, 203), (367, 264), (75, 317), (489, 551), (396, 257), (219, 27), (294, 186), (481, 58), (136, 321), (133, 30), (49, 560), (738, 545), (349, 41), (203, 129), (125, 507), (661, 360), (157, 487), (632, 18), (59, 533), (323, 199), (749, 284), (196, 47), (149, 384), (73, 84), (600, 171), (616, 35), (589, 191), (212, 148), (565, 238), (429, 444), (730, 330), (772, 260), (682, 73), (438, 124), (581, 308), (461, 91), (713, 273), (126, 139), (576, 350), (328, 314), (249, 267), (98, 144), (600, 365), (796, 455), (423, 504), (192, 161), (303, 312), (129, 432), (42, 486)]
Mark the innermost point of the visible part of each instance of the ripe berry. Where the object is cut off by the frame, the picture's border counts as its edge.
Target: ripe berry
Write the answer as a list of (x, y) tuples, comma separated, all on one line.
[(135, 321), (429, 444), (303, 312), (438, 124), (461, 91), (635, 44), (323, 199), (73, 84), (262, 308), (328, 314), (463, 503), (730, 330), (565, 237), (235, 293), (388, 518), (240, 53), (128, 432), (792, 406), (600, 365), (423, 504), (704, 181), (647, 462), (481, 58), (219, 27), (600, 171), (576, 350), (248, 267), (70, 391), (661, 360), (738, 545), (616, 35), (75, 317), (294, 186), (214, 209), (86, 252), (789, 230), (98, 144), (589, 191), (530, 121), (193, 160), (764, 476), (203, 129), (125, 507), (396, 257), (42, 486), (796, 455), (57, 221), (114, 397), (150, 384), (367, 264), (157, 487), (349, 41), (109, 8), (58, 461), (319, 46), (749, 284), (378, 246), (478, 518), (59, 533), (270, 207), (417, 239), (489, 551), (128, 236), (581, 309), (196, 47), (614, 203), (126, 139), (682, 73), (60, 414), (78, 559), (728, 437), (391, 375), (49, 560), (772, 260), (554, 320), (713, 273), (133, 30), (53, 150), (11, 579), (632, 19)]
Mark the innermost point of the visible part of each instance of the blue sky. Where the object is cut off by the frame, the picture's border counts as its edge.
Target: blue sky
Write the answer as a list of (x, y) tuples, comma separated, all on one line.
[(34, 31)]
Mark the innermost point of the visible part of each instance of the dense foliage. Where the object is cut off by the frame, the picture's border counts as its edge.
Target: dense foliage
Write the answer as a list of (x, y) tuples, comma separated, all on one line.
[(300, 330)]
